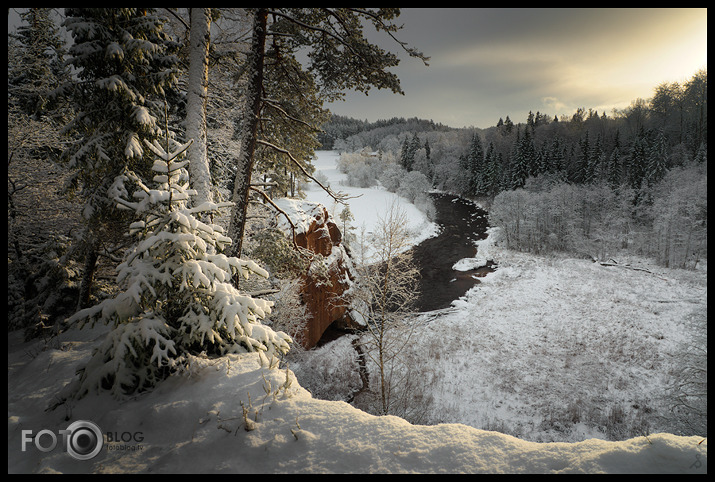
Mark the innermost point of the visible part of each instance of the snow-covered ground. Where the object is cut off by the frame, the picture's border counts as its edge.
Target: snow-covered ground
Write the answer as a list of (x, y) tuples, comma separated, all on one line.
[(195, 424), (549, 350), (366, 204), (556, 349)]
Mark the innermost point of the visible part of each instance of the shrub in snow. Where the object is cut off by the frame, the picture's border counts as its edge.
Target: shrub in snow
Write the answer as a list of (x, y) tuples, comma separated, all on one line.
[(361, 171), (413, 186), (290, 314), (177, 297), (391, 176)]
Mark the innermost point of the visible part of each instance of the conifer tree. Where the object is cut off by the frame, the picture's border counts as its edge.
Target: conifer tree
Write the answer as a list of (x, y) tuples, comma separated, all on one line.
[(657, 160), (701, 156), (543, 159), (474, 166), (405, 160), (530, 123), (637, 163), (556, 162), (491, 171), (583, 162), (39, 64), (508, 125), (177, 299), (595, 160), (409, 149), (524, 158), (614, 169), (124, 67)]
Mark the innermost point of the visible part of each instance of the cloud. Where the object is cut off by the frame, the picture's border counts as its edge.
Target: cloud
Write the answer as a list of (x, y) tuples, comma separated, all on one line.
[(489, 63), (555, 105)]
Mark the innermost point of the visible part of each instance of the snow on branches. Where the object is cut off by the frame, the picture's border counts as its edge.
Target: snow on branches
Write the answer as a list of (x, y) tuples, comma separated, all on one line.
[(177, 296)]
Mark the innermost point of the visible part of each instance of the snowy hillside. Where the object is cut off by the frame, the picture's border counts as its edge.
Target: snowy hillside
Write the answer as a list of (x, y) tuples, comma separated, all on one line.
[(551, 350), (195, 424)]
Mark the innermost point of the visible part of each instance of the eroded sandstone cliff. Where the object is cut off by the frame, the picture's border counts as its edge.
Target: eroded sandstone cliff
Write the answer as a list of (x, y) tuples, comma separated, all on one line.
[(327, 282)]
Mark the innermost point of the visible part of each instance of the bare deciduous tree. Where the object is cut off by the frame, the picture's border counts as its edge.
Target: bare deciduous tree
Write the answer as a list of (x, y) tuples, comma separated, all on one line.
[(385, 295)]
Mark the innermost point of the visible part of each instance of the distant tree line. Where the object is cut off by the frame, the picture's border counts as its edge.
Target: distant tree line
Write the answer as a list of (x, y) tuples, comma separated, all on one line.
[(347, 134), (629, 157)]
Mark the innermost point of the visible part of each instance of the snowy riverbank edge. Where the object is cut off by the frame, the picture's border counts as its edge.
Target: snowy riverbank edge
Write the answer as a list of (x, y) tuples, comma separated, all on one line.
[(194, 423)]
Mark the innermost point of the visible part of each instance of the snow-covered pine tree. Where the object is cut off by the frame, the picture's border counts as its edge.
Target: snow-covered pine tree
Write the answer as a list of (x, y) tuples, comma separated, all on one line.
[(524, 156), (475, 166), (658, 159), (405, 153), (637, 165), (177, 298), (614, 170), (124, 66), (36, 62), (491, 171)]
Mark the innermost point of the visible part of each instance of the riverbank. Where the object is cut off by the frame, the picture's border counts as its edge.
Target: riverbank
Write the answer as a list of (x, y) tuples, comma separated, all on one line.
[(366, 205), (549, 350), (461, 225), (545, 348)]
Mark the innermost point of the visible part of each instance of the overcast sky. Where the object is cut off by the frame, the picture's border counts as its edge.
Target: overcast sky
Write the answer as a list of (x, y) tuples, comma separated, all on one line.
[(490, 63)]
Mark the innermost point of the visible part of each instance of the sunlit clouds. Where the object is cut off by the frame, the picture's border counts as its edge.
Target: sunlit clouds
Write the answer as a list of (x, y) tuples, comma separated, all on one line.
[(490, 63)]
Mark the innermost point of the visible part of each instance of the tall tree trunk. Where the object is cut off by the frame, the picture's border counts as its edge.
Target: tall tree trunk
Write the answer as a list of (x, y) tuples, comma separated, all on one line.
[(91, 256), (244, 165), (196, 99)]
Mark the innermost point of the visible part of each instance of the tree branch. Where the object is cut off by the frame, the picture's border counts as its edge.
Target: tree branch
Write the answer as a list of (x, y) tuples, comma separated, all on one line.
[(338, 197), (607, 264), (300, 250), (412, 52), (280, 109)]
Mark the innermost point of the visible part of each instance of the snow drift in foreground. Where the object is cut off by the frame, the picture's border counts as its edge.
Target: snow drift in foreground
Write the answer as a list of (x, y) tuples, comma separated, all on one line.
[(195, 423)]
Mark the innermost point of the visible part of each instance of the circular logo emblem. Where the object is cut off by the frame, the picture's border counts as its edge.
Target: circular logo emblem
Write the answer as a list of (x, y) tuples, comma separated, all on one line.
[(85, 440)]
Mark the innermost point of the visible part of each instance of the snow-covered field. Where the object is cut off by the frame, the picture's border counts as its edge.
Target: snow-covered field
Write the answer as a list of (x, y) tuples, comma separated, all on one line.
[(555, 349), (196, 424)]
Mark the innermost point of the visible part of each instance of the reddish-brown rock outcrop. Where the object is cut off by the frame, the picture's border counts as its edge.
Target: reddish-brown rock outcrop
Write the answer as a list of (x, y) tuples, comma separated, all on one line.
[(330, 275)]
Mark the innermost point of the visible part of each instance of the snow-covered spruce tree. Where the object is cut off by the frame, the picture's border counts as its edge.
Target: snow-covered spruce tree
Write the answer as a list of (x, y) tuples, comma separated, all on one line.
[(35, 62), (177, 297), (124, 67)]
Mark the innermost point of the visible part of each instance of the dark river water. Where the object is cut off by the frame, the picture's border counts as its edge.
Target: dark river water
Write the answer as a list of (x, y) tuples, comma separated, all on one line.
[(462, 223)]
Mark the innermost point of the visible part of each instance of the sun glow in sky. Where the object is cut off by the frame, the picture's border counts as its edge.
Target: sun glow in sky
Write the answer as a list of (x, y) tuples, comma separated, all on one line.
[(490, 63)]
